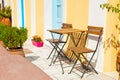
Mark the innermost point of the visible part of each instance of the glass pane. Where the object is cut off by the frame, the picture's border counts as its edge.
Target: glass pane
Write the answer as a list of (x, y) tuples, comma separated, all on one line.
[(59, 1), (58, 11)]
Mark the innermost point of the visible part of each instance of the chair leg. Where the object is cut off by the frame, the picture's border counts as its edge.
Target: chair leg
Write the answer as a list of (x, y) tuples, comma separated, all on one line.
[(50, 54), (85, 66), (61, 53), (90, 62), (52, 49), (55, 58), (73, 66), (88, 65), (59, 57), (52, 59)]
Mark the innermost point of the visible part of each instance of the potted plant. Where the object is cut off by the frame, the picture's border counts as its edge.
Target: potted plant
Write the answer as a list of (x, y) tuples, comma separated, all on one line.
[(13, 38), (22, 36), (2, 27), (5, 15), (37, 41)]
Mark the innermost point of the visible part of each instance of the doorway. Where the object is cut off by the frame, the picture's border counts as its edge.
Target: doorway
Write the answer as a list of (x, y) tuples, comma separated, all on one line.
[(57, 14)]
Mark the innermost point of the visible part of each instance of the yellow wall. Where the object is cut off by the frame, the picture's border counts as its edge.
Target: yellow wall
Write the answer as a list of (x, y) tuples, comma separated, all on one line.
[(77, 13), (110, 52), (28, 16), (14, 13), (40, 17)]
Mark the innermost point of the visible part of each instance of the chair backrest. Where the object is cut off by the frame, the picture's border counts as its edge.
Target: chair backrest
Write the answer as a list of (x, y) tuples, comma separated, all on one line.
[(95, 30), (66, 25), (94, 33)]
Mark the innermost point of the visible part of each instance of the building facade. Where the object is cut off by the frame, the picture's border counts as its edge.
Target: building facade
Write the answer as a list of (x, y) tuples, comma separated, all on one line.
[(39, 15)]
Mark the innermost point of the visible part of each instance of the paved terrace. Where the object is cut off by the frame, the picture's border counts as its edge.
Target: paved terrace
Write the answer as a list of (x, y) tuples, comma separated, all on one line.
[(38, 55)]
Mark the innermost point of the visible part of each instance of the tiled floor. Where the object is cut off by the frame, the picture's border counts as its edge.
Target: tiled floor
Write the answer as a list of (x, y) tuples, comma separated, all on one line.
[(38, 57)]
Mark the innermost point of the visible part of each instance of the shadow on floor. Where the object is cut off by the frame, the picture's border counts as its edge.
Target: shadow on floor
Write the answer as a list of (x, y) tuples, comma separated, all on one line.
[(32, 58)]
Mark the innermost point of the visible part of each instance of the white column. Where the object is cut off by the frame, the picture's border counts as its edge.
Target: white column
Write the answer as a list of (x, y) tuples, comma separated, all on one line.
[(47, 19), (64, 10), (12, 7), (97, 18), (6, 3), (19, 15), (33, 17)]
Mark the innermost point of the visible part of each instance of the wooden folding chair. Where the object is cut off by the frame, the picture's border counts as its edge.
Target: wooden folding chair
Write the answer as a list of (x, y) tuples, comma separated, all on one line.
[(93, 33), (56, 41)]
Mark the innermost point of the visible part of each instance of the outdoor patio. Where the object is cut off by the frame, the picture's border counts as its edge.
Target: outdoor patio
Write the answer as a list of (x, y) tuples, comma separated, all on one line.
[(38, 55)]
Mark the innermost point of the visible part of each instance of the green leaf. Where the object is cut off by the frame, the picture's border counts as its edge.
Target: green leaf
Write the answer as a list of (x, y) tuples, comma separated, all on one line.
[(113, 9)]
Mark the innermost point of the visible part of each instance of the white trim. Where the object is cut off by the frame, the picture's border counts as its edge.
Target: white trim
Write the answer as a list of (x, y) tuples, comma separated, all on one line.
[(6, 3), (1, 2), (47, 19), (64, 5), (96, 15), (97, 18), (12, 7), (33, 17), (19, 13)]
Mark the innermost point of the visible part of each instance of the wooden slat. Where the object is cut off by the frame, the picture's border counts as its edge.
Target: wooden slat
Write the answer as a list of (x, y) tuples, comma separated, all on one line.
[(95, 27), (66, 31), (66, 26), (92, 32), (81, 50), (95, 30)]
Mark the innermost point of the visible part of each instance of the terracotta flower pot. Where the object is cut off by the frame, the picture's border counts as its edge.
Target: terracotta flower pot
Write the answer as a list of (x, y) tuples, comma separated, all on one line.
[(6, 21), (17, 52)]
